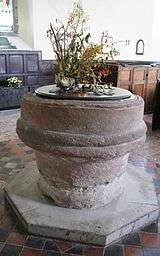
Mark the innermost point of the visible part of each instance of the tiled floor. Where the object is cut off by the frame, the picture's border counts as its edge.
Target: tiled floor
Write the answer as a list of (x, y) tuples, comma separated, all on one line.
[(14, 241)]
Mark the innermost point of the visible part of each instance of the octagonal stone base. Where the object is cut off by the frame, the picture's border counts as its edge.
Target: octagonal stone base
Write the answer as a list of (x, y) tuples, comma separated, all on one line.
[(136, 207)]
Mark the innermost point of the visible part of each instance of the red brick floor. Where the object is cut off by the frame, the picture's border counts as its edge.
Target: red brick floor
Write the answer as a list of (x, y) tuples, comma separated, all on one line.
[(14, 241)]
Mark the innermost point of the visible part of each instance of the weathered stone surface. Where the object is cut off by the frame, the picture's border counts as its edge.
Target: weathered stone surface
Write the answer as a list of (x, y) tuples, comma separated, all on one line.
[(81, 147), (134, 208)]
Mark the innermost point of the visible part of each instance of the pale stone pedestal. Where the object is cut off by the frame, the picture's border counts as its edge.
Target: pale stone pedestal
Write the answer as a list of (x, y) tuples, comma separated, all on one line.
[(136, 207)]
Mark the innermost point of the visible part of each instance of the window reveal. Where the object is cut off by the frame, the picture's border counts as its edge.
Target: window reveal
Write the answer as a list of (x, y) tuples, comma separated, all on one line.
[(6, 16)]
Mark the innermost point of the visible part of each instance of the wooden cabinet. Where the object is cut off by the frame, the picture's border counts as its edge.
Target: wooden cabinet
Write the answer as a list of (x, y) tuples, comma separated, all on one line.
[(151, 80), (140, 80), (124, 77), (158, 72)]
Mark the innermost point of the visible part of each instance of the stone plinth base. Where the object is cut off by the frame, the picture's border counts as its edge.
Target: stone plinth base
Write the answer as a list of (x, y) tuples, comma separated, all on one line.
[(136, 207)]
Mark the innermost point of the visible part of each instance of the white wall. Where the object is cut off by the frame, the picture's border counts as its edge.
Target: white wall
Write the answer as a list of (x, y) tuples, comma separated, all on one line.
[(156, 32), (26, 23), (124, 19), (46, 11)]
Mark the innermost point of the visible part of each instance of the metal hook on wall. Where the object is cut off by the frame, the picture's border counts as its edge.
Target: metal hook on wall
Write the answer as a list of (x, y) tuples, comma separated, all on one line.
[(140, 47)]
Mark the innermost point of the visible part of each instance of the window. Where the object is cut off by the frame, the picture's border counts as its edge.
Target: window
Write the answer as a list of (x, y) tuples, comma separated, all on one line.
[(6, 16)]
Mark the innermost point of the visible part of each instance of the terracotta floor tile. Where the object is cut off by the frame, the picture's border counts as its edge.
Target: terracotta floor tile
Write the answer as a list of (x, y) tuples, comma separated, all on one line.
[(93, 251), (114, 250), (151, 252), (131, 239), (150, 240), (17, 238), (35, 242), (51, 245), (6, 221), (18, 228), (64, 245), (3, 235), (31, 252), (77, 249), (52, 253), (1, 246), (11, 250), (133, 251)]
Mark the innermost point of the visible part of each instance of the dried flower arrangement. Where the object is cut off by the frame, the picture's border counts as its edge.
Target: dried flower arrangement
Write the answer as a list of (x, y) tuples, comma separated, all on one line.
[(77, 57)]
